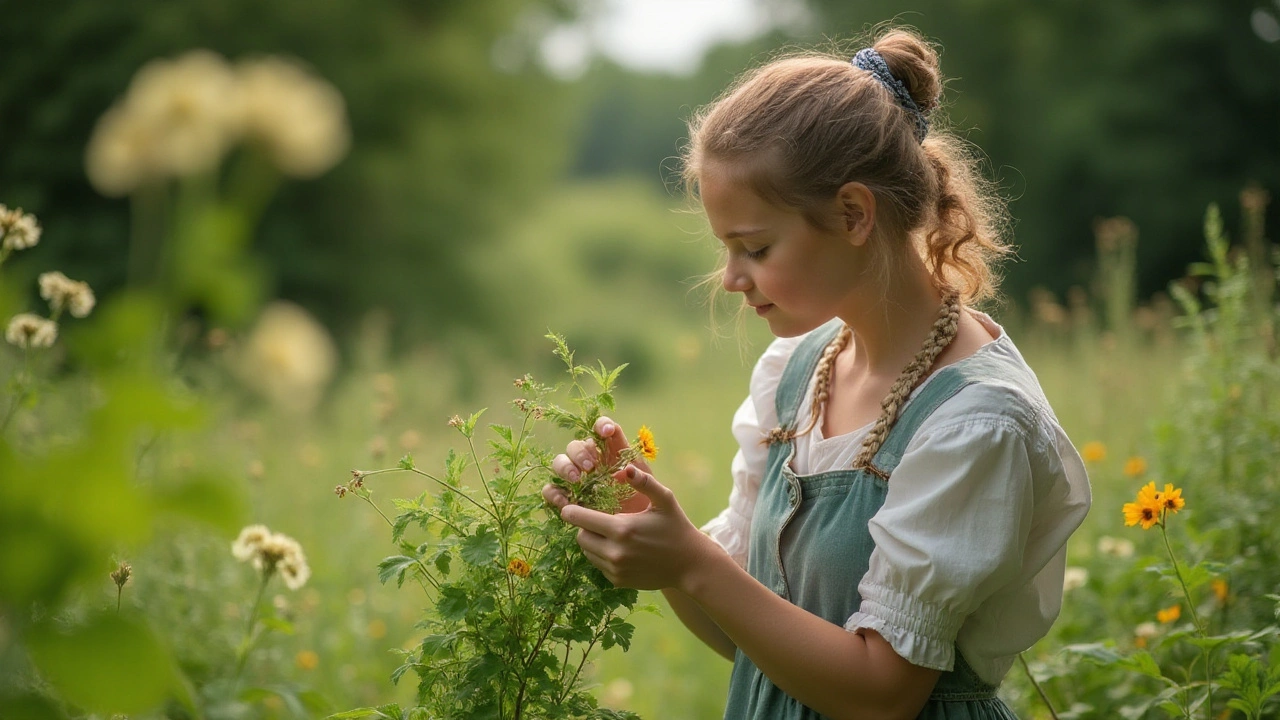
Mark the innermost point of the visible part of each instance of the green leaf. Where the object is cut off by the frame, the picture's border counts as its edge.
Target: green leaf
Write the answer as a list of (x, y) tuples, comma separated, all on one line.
[(279, 625), (396, 565), (406, 462), (452, 604), (107, 665), (469, 427), (481, 547)]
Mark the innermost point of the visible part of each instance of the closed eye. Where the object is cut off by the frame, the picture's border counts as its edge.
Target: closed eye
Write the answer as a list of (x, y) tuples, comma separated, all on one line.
[(758, 254)]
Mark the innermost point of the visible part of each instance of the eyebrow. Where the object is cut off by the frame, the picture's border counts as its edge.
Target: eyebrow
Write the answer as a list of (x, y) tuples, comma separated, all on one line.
[(735, 234)]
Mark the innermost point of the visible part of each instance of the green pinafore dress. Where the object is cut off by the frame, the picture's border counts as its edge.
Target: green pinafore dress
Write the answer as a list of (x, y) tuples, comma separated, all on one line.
[(811, 545)]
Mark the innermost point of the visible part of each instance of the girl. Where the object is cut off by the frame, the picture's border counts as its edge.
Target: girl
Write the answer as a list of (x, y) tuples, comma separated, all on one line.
[(903, 493)]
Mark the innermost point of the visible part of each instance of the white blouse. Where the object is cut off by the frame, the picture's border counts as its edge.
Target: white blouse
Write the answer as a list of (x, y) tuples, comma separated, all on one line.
[(971, 539)]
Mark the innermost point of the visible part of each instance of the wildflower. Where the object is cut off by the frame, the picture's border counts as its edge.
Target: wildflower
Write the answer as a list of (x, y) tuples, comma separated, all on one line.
[(455, 421), (270, 552), (1220, 589), (1169, 614), (1146, 509), (1171, 498), (289, 357), (18, 230), (1093, 452), (519, 382), (518, 567), (1135, 467), (644, 438), (306, 660), (63, 293), (521, 404), (1074, 577), (1115, 547), (122, 574), (340, 491), (31, 331), (297, 118), (1144, 632)]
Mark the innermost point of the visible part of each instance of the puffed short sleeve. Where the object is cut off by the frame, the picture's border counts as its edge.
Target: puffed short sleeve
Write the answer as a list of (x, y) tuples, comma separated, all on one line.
[(952, 533), (752, 422)]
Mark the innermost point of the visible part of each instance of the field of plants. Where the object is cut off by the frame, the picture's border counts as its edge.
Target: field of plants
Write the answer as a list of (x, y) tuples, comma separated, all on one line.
[(237, 513)]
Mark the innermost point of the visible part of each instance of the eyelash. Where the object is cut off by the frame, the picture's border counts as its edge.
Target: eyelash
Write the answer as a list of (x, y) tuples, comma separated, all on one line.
[(758, 254)]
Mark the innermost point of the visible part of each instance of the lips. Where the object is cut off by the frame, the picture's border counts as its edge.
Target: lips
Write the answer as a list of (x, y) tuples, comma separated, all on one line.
[(762, 309)]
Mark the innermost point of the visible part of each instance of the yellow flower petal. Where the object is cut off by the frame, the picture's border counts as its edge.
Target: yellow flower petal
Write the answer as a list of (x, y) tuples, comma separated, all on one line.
[(1169, 614), (1093, 452), (648, 448)]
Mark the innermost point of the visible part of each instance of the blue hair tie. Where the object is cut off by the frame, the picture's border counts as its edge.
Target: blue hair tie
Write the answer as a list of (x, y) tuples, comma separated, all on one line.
[(873, 62)]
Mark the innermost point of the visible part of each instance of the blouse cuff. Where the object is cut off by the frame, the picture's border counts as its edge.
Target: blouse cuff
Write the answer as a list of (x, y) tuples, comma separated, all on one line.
[(921, 633), (728, 533)]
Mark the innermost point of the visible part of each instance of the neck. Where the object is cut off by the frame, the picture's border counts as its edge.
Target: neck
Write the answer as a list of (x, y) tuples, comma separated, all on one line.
[(890, 323)]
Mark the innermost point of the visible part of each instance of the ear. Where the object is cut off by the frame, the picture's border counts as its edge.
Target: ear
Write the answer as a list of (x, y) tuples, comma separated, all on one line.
[(858, 210)]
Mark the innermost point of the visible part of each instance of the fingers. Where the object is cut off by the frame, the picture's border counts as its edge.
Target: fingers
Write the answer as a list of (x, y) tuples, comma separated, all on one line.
[(615, 440), (659, 495), (588, 519), (554, 496)]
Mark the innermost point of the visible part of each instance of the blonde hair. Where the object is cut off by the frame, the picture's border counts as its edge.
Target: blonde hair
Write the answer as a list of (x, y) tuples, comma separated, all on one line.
[(799, 128)]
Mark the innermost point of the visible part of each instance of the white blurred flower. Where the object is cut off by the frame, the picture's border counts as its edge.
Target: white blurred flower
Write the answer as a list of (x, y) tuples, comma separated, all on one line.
[(31, 331), (245, 547), (1075, 577), (64, 293), (178, 117), (1115, 547), (18, 230), (299, 118), (1146, 630), (289, 357), (271, 552)]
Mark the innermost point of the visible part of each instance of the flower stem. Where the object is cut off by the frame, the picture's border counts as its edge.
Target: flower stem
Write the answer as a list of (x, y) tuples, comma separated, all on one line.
[(1177, 571), (243, 654), (1026, 668)]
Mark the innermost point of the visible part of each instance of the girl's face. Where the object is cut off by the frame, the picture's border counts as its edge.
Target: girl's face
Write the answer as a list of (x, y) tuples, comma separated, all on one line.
[(794, 275)]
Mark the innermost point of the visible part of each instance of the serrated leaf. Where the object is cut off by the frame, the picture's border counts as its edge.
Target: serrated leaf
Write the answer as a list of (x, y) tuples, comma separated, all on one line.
[(396, 565), (406, 462), (481, 547), (469, 427), (452, 603)]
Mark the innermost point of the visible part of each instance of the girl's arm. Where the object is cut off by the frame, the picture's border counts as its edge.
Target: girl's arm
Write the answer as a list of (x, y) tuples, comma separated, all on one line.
[(836, 672), (699, 623)]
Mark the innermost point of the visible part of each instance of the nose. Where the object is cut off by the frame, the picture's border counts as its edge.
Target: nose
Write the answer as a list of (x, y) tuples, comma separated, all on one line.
[(734, 277)]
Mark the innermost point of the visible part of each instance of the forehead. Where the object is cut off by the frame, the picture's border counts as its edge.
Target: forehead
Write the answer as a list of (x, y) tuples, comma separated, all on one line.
[(732, 205)]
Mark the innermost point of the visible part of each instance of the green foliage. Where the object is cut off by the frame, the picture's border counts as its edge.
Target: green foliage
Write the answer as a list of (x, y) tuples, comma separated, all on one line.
[(515, 621)]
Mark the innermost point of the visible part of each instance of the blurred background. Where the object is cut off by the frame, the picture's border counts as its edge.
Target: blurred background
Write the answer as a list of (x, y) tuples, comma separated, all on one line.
[(478, 172)]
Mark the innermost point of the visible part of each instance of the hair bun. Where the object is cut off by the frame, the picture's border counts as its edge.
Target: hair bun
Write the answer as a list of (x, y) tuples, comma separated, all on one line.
[(914, 61)]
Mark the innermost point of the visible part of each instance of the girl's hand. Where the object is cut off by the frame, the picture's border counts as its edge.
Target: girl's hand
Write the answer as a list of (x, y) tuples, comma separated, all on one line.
[(581, 457), (649, 550)]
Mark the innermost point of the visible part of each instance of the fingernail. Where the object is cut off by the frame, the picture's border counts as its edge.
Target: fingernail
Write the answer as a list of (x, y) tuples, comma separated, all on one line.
[(607, 429), (573, 476), (587, 465)]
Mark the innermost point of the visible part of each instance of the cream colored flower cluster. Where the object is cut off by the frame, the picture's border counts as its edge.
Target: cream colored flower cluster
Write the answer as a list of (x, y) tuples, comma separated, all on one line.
[(18, 230), (63, 293), (181, 116), (289, 357), (271, 552)]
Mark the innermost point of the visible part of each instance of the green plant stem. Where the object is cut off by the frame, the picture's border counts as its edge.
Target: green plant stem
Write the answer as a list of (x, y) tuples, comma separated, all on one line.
[(461, 494), (1043, 696), (253, 621), (21, 394), (1191, 606), (422, 567)]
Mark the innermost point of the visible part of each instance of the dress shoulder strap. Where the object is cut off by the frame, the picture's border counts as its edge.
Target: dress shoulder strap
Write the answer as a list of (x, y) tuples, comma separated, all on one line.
[(799, 370)]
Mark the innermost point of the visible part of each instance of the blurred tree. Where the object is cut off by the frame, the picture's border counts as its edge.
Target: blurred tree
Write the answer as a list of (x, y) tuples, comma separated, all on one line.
[(1087, 110), (1084, 110), (445, 149)]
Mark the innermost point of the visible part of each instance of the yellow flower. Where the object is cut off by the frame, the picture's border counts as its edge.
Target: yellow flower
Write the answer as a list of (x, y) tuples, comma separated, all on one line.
[(518, 567), (1093, 452), (1171, 498), (645, 439), (1220, 589), (1135, 467), (306, 660), (1169, 614), (377, 629), (1145, 509)]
